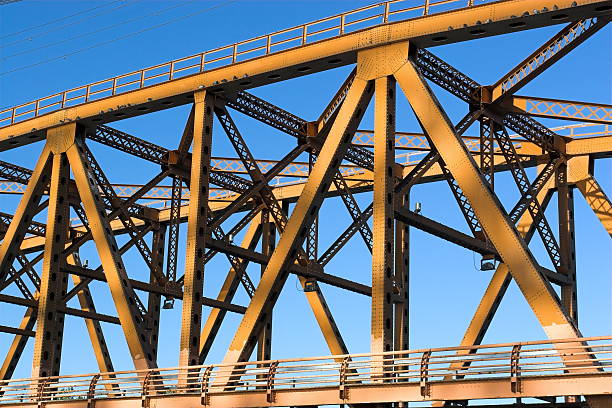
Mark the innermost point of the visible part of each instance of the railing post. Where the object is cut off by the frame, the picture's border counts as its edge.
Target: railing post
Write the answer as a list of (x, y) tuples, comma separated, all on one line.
[(270, 382), (515, 369), (342, 381), (63, 99), (204, 398), (202, 57), (12, 116), (234, 53), (268, 44), (40, 392), (114, 86), (342, 21), (470, 3), (304, 34), (386, 13), (145, 390), (37, 106), (91, 392), (424, 373), (171, 70), (426, 8)]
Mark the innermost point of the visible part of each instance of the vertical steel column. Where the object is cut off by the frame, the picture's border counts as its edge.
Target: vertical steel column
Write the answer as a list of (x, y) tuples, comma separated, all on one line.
[(53, 283), (196, 229), (402, 278), (487, 157), (154, 299), (383, 242), (268, 242), (173, 236), (567, 244), (312, 240)]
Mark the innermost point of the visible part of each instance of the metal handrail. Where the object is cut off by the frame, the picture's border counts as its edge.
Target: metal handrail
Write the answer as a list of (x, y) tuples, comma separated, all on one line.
[(350, 21), (513, 361)]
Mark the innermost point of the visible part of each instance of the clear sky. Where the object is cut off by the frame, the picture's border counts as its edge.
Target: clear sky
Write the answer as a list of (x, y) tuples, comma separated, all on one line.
[(49, 46)]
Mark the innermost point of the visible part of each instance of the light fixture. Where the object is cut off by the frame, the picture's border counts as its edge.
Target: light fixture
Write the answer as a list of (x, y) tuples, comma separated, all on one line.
[(417, 207), (310, 285), (487, 263), (168, 303)]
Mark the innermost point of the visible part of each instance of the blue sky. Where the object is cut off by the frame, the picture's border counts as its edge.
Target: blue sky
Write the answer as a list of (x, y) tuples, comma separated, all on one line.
[(446, 284)]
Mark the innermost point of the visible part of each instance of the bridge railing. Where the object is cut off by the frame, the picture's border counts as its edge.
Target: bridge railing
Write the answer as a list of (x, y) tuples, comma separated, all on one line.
[(340, 24), (421, 368)]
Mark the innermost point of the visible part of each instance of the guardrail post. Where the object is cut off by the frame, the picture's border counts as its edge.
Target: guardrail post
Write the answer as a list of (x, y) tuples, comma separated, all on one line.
[(114, 87), (270, 382), (204, 397), (426, 8), (202, 57), (40, 392), (342, 21), (234, 53), (12, 116), (268, 44), (145, 390), (91, 391), (343, 370), (424, 373), (386, 13), (515, 369), (304, 34)]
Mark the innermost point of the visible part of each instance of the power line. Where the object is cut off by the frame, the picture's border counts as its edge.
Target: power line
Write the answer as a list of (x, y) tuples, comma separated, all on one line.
[(128, 21), (73, 23), (64, 56), (154, 13), (53, 21)]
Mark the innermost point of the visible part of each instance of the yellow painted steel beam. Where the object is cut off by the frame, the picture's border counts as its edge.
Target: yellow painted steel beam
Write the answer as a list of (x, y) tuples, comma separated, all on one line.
[(94, 328), (428, 30), (546, 55), (276, 273), (504, 236), (13, 354), (579, 173), (121, 290), (383, 227), (154, 299), (598, 201), (53, 283), (561, 109), (268, 242), (196, 229), (25, 212)]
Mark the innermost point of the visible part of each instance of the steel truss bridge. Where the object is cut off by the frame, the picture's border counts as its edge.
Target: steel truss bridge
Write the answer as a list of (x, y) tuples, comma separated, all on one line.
[(388, 44)]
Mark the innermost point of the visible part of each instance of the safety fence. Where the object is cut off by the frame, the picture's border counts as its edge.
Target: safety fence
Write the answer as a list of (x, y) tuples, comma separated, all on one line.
[(322, 29), (512, 361)]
